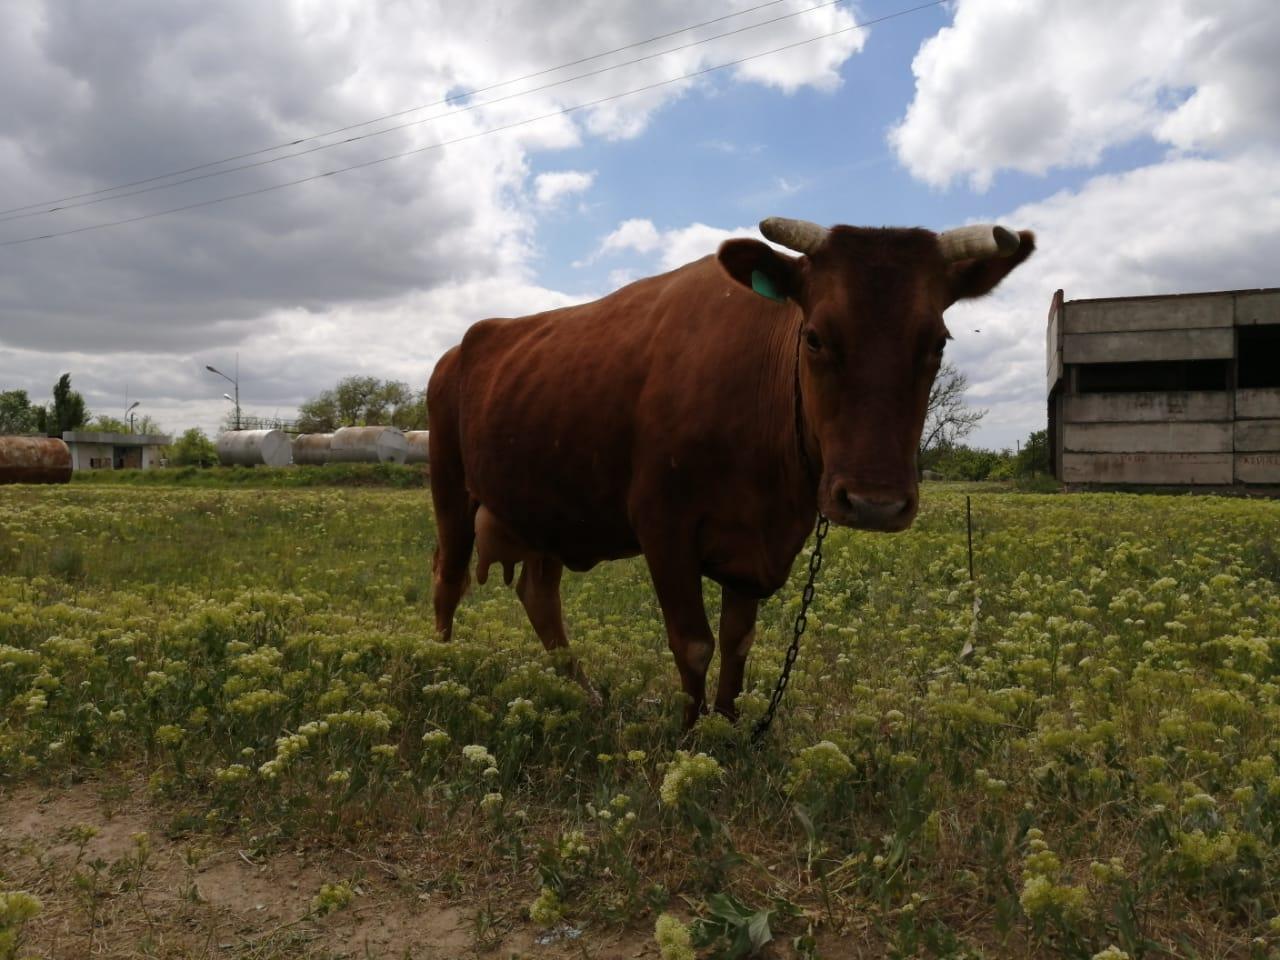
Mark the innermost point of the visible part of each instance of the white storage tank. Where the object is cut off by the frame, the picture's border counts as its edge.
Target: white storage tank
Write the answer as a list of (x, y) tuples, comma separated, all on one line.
[(368, 445), (312, 449), (418, 450), (248, 448)]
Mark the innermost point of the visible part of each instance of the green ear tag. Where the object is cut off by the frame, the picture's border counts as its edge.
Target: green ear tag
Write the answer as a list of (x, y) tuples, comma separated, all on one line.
[(762, 285)]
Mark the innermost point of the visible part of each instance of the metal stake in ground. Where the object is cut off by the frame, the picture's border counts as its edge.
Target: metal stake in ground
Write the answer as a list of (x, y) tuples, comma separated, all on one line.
[(802, 621), (968, 522)]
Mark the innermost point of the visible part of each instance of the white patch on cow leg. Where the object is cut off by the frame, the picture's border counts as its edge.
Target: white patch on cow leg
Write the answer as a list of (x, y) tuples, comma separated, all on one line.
[(698, 654), (745, 643)]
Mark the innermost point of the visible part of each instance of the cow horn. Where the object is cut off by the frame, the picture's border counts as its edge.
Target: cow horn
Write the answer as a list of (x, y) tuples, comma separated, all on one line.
[(798, 235), (978, 242)]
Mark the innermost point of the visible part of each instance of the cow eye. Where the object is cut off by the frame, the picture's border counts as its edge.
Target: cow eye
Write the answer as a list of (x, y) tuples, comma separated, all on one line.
[(812, 341)]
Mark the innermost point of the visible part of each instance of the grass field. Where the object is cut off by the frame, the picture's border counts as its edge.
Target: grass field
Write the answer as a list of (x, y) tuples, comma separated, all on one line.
[(246, 679)]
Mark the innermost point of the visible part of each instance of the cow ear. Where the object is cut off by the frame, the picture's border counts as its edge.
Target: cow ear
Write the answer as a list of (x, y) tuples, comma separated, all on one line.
[(977, 278), (759, 267)]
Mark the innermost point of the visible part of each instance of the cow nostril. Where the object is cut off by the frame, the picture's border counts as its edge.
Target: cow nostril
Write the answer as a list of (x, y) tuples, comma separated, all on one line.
[(871, 511)]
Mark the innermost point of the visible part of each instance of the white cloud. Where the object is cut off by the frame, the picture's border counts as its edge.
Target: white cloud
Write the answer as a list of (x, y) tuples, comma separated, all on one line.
[(550, 188), (674, 247), (1031, 86), (1182, 226), (636, 234), (377, 270)]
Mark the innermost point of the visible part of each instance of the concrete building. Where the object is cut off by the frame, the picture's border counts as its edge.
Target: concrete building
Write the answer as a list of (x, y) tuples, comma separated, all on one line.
[(1180, 390), (114, 451)]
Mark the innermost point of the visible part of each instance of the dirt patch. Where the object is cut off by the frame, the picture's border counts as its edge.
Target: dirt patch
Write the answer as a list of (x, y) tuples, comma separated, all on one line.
[(114, 886)]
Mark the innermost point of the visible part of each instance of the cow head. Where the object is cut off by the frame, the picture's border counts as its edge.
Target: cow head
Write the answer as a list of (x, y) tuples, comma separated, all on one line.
[(871, 339)]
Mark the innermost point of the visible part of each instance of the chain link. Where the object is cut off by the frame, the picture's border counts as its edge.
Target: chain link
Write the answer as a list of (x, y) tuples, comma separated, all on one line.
[(802, 622)]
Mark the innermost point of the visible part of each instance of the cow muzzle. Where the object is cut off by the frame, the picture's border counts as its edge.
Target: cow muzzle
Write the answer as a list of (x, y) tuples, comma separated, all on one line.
[(881, 511)]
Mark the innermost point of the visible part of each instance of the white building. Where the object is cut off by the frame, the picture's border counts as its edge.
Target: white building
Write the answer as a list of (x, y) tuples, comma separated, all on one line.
[(114, 451)]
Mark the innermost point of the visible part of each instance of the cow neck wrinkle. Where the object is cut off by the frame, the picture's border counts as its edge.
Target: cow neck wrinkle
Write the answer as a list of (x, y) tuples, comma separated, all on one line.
[(806, 462)]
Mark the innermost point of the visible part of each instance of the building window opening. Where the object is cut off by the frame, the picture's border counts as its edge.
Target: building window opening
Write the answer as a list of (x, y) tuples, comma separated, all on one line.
[(1153, 376), (1259, 357)]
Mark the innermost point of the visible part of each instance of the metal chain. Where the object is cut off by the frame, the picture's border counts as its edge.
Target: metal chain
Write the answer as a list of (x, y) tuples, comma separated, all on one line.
[(802, 622), (815, 564)]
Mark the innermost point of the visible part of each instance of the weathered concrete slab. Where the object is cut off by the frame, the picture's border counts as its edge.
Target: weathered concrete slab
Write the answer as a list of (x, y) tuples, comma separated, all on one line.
[(1258, 436), (1258, 308), (1134, 314), (1147, 468), (1258, 403), (1258, 467), (1053, 341), (1217, 344), (1154, 437), (1130, 407)]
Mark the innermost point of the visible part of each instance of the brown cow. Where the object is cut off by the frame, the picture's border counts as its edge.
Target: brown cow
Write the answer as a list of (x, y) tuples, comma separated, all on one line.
[(701, 418)]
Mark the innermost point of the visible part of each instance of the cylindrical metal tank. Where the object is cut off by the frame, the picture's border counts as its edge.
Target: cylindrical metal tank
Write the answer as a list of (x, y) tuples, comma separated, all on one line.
[(34, 460), (368, 445), (312, 449), (418, 451), (248, 448)]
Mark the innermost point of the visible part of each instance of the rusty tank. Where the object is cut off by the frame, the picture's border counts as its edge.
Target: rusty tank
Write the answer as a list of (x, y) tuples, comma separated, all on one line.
[(311, 449), (34, 460), (368, 445), (419, 452), (247, 448)]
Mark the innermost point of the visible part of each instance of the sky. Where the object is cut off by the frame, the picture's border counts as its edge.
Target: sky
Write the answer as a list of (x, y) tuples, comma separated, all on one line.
[(1141, 141)]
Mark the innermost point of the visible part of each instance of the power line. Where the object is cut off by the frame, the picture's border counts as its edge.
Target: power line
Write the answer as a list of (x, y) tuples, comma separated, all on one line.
[(398, 113), (411, 123), (473, 136), (408, 123)]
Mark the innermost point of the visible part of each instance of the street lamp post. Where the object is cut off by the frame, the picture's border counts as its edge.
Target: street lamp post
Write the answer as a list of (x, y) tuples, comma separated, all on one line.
[(128, 412), (235, 381)]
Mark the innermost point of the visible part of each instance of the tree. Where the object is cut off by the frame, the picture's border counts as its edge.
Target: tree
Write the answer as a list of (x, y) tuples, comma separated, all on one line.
[(948, 419), (68, 411), (193, 449), (1033, 458), (962, 462), (16, 414), (107, 424), (364, 402)]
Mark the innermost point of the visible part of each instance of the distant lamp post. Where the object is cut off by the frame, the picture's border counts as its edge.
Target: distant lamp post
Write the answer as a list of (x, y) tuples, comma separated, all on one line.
[(128, 412), (235, 381)]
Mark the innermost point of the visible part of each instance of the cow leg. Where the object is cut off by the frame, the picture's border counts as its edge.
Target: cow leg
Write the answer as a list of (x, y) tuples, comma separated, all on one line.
[(539, 591), (678, 585), (737, 633), (456, 534)]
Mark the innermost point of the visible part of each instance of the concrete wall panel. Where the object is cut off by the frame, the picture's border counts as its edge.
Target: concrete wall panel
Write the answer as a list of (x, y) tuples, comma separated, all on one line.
[(1258, 468), (1147, 437), (1218, 344), (1258, 403), (1258, 308), (1053, 343), (1147, 468), (1129, 407), (1161, 313), (1258, 436)]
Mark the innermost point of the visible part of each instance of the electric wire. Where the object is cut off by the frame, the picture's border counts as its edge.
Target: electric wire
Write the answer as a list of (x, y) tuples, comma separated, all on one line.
[(411, 123), (399, 113), (471, 136)]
